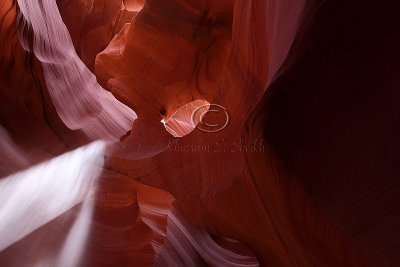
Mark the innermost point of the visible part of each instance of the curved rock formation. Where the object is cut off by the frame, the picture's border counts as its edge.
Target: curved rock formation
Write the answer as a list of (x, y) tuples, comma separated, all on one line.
[(232, 133)]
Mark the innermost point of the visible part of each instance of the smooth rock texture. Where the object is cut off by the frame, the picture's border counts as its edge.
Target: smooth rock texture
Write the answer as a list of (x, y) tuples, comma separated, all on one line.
[(231, 133)]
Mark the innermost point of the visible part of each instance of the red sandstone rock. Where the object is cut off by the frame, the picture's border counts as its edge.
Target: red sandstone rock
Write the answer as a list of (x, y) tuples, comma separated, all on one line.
[(303, 174)]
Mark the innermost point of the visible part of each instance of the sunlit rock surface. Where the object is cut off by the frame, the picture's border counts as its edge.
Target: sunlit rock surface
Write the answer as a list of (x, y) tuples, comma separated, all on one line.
[(199, 133)]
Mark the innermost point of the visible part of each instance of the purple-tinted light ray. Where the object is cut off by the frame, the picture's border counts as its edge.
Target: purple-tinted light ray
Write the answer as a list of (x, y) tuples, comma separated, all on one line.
[(32, 198)]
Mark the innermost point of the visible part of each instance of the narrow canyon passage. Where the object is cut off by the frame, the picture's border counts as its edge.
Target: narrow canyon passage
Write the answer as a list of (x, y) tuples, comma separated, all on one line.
[(199, 133)]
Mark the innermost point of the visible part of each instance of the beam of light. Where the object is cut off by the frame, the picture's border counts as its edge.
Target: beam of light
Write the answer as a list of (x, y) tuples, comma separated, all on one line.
[(74, 246), (11, 157), (32, 198)]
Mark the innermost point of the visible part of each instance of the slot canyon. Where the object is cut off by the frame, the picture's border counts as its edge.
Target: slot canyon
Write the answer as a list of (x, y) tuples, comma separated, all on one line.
[(199, 133)]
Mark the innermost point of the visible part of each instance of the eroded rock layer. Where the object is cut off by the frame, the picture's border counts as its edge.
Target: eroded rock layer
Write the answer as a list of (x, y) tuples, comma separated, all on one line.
[(199, 133)]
